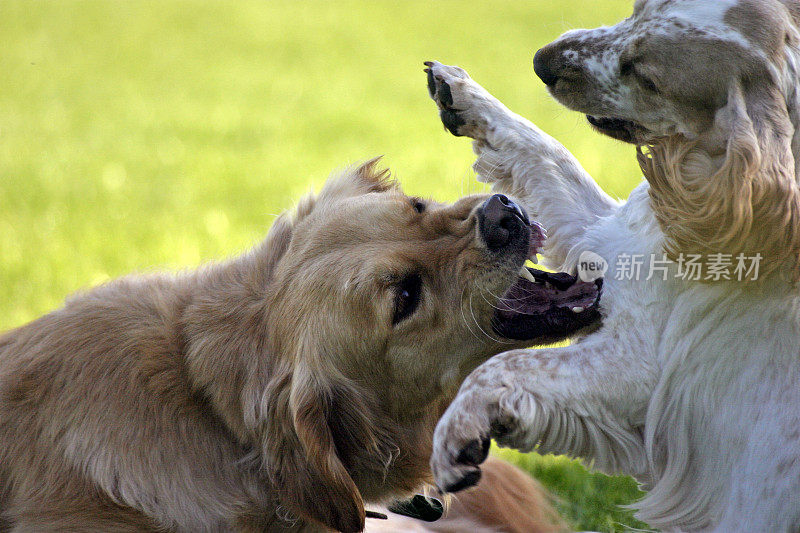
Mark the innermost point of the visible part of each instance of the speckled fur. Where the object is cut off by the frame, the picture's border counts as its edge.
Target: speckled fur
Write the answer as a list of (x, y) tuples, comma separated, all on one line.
[(690, 387)]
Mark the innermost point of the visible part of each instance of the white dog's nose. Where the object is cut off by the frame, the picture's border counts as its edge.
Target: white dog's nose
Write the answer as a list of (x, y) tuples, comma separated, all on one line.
[(543, 65)]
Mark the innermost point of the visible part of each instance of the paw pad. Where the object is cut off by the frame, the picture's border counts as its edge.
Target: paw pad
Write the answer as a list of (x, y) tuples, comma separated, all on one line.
[(475, 452), (441, 93), (470, 479)]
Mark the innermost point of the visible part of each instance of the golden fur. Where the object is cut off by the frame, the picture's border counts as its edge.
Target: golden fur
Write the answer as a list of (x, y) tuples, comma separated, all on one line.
[(748, 204), (267, 393), (506, 500)]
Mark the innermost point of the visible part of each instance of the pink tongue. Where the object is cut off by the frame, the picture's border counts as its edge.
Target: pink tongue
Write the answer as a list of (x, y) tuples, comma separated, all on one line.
[(538, 237)]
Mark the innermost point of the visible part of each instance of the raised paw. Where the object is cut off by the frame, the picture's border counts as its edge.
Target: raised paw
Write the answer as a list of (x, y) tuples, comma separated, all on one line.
[(465, 108), (461, 443), (462, 439), (481, 411)]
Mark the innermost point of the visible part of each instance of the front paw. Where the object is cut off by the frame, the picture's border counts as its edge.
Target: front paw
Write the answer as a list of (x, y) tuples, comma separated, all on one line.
[(463, 436), (465, 107), (460, 444)]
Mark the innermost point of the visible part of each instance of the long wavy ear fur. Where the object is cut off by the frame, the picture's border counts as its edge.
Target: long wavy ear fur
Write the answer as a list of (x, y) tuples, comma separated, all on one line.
[(300, 453), (307, 416), (749, 205)]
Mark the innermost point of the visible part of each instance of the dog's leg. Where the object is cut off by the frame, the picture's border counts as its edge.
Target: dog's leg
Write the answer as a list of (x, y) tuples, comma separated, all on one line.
[(586, 400), (519, 159)]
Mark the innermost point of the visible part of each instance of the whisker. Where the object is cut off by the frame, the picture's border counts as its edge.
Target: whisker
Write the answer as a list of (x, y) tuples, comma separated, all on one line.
[(491, 338), (464, 316)]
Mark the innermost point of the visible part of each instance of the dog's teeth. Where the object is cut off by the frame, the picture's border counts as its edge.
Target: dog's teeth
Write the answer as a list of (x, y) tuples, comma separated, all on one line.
[(525, 273), (577, 309)]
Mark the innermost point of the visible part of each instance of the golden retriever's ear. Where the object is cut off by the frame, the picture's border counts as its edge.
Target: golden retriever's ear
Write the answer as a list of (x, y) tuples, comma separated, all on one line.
[(369, 176), (270, 252), (363, 179), (748, 204), (301, 454)]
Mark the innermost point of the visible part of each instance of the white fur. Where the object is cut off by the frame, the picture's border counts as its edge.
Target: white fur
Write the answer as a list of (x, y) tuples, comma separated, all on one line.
[(692, 388)]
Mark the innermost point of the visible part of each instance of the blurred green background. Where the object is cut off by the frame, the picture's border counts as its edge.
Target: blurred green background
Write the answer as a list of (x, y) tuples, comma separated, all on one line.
[(137, 136)]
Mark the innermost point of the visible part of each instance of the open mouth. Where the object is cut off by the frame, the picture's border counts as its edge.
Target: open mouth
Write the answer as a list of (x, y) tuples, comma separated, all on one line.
[(617, 128), (543, 305)]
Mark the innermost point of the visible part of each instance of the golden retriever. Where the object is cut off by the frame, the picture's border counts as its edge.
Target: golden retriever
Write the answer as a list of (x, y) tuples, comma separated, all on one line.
[(280, 390)]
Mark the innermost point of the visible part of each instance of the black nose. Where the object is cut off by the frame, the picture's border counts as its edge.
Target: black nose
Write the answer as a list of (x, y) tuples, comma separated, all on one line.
[(544, 67), (501, 221)]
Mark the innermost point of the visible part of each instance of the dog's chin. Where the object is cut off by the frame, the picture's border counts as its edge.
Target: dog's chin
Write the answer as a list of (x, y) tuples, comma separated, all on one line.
[(623, 130)]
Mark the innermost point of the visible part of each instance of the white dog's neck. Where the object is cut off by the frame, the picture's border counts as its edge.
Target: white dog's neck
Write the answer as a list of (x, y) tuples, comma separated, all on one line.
[(791, 88)]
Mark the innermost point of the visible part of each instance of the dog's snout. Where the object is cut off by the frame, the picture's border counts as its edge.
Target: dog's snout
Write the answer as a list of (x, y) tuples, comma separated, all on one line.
[(544, 65), (501, 220)]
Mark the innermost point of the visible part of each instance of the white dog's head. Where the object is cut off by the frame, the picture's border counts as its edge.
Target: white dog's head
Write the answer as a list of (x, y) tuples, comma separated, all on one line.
[(669, 68), (711, 86)]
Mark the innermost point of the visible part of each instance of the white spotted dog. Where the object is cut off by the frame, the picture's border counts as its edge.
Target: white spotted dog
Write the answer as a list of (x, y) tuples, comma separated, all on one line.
[(690, 385)]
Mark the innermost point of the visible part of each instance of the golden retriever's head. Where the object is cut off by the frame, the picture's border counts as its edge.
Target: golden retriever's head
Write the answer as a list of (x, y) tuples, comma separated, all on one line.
[(379, 304), (711, 87)]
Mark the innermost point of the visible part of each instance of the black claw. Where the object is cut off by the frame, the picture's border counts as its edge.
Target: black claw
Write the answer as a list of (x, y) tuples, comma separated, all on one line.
[(428, 63), (419, 507), (440, 91), (465, 482), (444, 96), (431, 83), (475, 452)]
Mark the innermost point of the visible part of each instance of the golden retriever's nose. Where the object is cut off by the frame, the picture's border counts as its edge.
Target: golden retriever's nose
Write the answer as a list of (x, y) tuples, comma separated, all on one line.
[(501, 221)]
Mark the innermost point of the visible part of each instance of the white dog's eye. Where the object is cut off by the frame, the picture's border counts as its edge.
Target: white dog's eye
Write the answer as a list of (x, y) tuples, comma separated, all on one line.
[(419, 205), (647, 83), (407, 297), (627, 68)]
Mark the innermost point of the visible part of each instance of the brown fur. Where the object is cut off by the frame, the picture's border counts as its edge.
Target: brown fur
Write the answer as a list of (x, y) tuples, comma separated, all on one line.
[(267, 393), (746, 199), (732, 189), (718, 114), (750, 204), (505, 500)]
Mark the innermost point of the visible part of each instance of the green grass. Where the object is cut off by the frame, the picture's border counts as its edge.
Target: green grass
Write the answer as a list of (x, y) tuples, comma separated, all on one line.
[(156, 135)]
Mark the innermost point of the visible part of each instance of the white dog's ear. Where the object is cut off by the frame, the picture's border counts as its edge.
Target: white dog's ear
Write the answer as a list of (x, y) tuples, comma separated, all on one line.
[(743, 201)]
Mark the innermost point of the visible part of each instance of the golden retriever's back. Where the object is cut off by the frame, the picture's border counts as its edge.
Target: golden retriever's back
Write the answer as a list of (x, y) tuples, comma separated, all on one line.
[(117, 346), (120, 347)]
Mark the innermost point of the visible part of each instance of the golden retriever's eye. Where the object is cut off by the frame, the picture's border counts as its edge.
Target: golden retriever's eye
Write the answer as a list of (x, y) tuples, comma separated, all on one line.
[(407, 296), (626, 68), (419, 205)]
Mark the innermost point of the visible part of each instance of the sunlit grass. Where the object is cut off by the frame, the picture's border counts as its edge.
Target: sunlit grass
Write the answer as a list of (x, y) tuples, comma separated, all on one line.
[(156, 135)]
